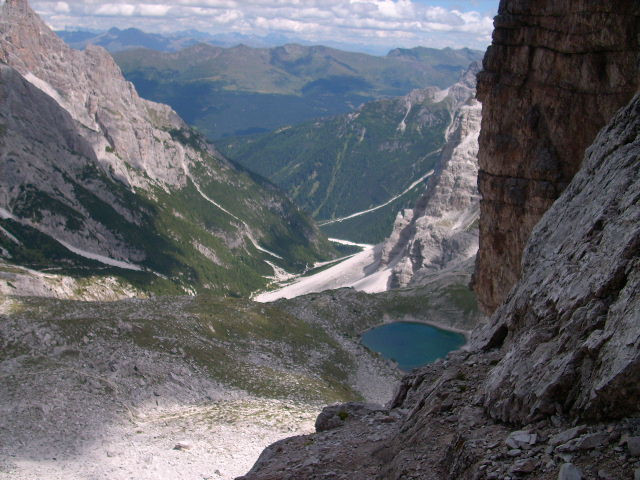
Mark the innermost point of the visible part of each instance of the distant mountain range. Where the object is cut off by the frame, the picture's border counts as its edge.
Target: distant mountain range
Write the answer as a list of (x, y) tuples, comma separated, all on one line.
[(244, 90), (382, 129), (116, 40)]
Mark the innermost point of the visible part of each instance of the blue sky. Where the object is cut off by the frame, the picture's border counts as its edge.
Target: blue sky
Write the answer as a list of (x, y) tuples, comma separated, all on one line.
[(379, 24)]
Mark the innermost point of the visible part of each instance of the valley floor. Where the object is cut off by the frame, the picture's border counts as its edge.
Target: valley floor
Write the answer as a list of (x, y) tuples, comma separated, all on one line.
[(212, 441)]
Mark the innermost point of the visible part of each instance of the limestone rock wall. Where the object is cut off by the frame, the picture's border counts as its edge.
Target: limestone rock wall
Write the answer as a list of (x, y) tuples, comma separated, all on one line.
[(570, 330), (121, 127), (440, 232), (554, 75), (552, 377)]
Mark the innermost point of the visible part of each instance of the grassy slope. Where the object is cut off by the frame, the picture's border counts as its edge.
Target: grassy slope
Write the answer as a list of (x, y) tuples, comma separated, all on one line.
[(261, 349), (290, 349)]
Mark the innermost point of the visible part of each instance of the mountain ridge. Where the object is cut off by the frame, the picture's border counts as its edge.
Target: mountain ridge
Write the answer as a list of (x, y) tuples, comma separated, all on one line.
[(298, 83), (119, 39)]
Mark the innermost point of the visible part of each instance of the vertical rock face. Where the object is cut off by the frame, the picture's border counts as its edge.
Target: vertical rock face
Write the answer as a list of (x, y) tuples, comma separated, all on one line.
[(122, 127), (563, 349), (440, 232), (571, 328), (554, 75)]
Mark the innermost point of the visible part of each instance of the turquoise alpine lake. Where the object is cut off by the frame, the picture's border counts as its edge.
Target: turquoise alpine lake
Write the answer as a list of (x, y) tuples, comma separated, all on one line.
[(411, 344)]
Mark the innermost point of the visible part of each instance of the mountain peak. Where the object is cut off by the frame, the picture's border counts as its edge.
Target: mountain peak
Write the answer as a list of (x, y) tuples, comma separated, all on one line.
[(17, 8), (92, 156), (24, 4), (23, 35)]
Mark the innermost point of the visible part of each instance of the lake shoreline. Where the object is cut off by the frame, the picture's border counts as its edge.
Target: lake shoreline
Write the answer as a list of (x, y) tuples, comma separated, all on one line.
[(441, 326), (412, 344)]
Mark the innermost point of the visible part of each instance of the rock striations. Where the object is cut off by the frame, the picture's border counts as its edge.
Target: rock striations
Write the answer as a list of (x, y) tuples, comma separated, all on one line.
[(547, 389), (95, 179), (440, 232), (575, 313), (554, 75)]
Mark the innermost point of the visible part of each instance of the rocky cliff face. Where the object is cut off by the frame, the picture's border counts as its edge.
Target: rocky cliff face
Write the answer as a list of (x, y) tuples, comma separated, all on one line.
[(575, 313), (554, 75), (95, 179), (440, 233), (91, 88)]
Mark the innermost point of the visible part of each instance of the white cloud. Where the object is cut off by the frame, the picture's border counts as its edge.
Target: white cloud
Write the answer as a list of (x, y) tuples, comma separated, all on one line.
[(62, 7), (115, 10), (352, 21), (154, 10)]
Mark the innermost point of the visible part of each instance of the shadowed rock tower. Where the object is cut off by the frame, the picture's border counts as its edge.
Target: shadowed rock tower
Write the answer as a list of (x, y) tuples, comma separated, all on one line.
[(554, 75)]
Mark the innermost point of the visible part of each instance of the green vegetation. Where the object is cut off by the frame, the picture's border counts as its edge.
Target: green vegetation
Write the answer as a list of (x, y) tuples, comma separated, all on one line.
[(291, 349), (339, 166), (261, 349), (242, 90), (463, 297), (375, 226)]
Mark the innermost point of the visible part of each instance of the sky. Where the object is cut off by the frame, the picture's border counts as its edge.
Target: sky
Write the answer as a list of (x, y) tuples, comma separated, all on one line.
[(377, 23)]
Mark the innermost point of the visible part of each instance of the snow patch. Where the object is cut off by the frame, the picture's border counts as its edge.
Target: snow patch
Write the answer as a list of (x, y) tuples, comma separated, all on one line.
[(357, 271), (331, 262), (353, 244), (204, 195), (6, 215), (403, 125), (279, 274), (9, 236), (213, 202), (257, 245), (375, 283)]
